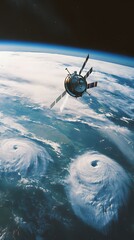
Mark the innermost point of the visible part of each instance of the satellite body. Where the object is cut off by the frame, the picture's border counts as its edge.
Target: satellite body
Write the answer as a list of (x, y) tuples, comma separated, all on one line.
[(75, 84)]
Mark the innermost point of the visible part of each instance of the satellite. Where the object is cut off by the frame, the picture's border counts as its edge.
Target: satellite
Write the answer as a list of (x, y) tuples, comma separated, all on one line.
[(75, 84)]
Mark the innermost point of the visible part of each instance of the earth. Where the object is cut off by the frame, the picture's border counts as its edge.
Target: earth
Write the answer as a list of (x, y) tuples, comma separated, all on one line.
[(66, 172)]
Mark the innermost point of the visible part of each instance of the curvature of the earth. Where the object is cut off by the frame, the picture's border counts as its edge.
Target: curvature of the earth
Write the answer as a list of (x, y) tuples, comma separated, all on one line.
[(65, 173)]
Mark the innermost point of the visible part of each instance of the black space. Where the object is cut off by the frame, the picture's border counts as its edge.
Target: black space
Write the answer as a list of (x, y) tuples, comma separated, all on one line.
[(100, 25)]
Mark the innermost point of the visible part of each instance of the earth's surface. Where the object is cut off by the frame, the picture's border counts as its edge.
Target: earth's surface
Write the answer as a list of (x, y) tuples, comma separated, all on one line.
[(67, 172)]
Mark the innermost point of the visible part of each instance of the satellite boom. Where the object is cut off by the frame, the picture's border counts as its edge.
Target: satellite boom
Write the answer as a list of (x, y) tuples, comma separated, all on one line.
[(84, 64), (67, 70)]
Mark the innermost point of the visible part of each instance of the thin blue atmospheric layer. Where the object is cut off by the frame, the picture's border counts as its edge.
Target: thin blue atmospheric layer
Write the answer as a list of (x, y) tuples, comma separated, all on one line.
[(66, 50)]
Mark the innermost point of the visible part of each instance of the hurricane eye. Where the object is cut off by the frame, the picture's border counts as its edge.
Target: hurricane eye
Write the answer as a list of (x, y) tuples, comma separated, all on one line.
[(15, 147), (94, 163)]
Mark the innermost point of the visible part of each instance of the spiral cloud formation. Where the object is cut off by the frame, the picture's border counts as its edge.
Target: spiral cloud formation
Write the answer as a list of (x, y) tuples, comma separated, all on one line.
[(23, 156), (97, 187)]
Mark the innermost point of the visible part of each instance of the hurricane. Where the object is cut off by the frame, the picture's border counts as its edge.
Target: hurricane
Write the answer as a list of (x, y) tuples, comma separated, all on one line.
[(98, 188), (22, 156)]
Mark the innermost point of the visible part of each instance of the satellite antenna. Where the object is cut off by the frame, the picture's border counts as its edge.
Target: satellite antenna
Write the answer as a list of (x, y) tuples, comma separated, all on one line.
[(75, 84)]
